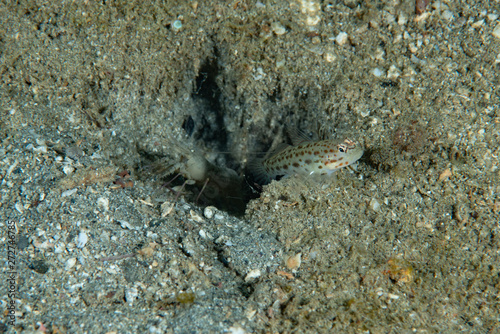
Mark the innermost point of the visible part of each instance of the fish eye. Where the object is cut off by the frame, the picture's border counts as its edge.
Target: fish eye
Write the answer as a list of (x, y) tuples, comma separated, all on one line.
[(342, 149)]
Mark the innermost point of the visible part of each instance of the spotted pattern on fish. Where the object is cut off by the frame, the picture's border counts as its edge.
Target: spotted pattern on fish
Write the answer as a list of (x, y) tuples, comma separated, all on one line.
[(322, 157)]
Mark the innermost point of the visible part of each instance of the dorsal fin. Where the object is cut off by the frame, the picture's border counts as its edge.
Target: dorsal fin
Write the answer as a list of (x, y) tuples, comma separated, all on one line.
[(297, 136), (278, 149)]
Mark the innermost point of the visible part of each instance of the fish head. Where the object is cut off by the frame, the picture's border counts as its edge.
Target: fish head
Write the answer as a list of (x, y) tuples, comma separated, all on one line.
[(344, 154)]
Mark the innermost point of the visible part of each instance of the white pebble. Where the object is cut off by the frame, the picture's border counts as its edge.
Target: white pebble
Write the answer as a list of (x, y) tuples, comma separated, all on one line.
[(70, 263), (393, 72), (82, 240), (329, 57), (496, 31), (125, 225), (236, 330), (131, 295), (40, 149), (209, 212), (69, 192), (447, 15), (59, 248), (364, 113), (278, 28), (341, 38), (377, 72), (203, 234), (75, 287), (392, 296), (374, 205), (492, 17), (103, 203), (477, 24), (111, 271), (67, 169), (19, 207), (177, 25), (402, 20)]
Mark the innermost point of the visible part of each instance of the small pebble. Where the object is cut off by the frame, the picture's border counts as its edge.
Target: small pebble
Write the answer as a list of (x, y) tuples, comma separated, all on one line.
[(496, 31), (293, 262), (67, 169), (492, 17), (177, 25), (278, 28), (377, 72), (341, 38), (196, 217), (19, 207), (40, 149), (131, 295), (402, 20), (69, 192), (70, 246), (209, 212), (477, 24), (59, 248), (82, 240), (445, 174), (393, 72), (374, 204), (125, 225), (447, 15), (74, 152), (103, 203), (329, 57), (252, 274), (236, 330), (70, 263)]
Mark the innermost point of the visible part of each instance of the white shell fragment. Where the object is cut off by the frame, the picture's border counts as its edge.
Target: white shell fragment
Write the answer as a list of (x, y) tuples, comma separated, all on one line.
[(166, 208), (82, 240), (40, 149), (252, 274), (69, 192), (125, 225), (196, 217)]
